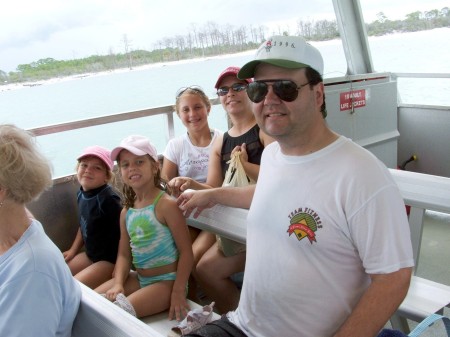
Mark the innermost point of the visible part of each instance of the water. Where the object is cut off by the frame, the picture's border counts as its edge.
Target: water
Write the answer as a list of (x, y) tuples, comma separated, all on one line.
[(118, 92)]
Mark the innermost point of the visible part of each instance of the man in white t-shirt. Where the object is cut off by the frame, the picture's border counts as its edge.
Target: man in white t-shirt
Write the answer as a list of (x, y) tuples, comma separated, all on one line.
[(328, 242)]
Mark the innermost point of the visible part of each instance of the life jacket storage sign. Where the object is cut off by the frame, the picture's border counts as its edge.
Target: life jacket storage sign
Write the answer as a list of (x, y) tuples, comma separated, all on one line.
[(350, 100)]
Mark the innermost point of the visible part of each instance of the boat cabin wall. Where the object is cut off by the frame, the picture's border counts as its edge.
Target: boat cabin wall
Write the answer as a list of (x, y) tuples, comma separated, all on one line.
[(424, 132), (364, 109), (57, 210)]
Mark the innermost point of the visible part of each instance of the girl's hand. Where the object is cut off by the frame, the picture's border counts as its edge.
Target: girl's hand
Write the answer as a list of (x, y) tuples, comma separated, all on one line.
[(112, 293), (244, 154), (179, 185), (243, 149), (68, 255), (179, 306)]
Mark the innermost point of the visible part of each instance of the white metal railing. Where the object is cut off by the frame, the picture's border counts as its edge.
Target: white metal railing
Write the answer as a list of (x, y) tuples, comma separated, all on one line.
[(168, 110), (124, 116), (434, 96), (421, 75)]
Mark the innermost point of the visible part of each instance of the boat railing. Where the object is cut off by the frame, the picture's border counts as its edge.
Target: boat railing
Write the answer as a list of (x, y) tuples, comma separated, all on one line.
[(417, 119), (420, 75), (113, 118), (431, 76), (168, 110)]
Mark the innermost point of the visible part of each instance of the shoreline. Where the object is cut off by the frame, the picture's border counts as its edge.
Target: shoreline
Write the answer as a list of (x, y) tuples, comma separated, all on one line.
[(23, 85)]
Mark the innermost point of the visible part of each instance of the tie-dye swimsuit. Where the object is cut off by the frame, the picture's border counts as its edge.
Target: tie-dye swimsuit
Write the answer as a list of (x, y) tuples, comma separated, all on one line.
[(152, 243)]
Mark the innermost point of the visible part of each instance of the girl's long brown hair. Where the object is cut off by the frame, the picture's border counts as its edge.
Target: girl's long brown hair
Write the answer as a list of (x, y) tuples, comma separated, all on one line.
[(128, 194)]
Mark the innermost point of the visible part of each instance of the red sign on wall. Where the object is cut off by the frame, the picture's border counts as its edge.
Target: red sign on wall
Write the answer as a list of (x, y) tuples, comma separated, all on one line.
[(355, 98)]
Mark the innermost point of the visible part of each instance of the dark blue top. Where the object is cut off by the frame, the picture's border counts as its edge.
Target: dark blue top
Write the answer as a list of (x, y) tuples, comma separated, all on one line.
[(99, 216)]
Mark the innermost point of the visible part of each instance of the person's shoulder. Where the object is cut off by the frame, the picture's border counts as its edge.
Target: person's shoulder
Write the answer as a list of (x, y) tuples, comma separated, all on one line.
[(166, 198), (217, 132), (362, 161), (272, 146), (270, 152), (356, 151), (218, 141), (175, 145), (109, 195), (178, 140), (42, 251), (111, 191), (168, 204)]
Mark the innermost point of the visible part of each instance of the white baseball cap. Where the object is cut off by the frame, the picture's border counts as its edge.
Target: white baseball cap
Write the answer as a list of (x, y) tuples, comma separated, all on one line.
[(138, 145), (291, 52)]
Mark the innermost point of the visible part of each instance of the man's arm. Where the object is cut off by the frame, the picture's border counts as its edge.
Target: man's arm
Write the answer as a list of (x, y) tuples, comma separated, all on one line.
[(377, 304), (240, 197)]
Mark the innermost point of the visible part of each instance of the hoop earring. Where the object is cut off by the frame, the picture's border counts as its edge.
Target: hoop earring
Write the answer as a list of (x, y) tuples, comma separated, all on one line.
[(1, 204)]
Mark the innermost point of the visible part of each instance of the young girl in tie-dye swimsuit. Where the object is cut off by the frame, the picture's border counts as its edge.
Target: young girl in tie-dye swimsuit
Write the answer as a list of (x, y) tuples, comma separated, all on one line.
[(154, 238)]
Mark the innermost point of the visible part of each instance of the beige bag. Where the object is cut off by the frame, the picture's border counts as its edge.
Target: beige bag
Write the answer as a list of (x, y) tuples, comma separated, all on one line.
[(234, 177)]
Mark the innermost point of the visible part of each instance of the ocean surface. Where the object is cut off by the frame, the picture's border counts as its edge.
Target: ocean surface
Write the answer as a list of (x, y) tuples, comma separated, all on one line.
[(116, 92)]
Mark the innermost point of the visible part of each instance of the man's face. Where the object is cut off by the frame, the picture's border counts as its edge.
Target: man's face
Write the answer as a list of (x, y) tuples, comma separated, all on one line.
[(281, 119)]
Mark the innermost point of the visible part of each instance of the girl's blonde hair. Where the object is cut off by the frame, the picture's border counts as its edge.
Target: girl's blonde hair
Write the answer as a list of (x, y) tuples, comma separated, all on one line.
[(24, 171), (128, 194)]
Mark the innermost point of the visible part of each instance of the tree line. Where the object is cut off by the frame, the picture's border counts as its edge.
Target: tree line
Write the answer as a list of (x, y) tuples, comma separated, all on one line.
[(212, 39)]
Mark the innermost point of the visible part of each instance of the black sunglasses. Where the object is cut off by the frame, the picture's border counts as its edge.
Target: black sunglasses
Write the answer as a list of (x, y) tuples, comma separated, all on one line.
[(286, 90), (222, 91)]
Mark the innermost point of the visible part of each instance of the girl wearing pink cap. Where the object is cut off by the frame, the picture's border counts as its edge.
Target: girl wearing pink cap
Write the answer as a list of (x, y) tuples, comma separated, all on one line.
[(154, 238), (99, 209)]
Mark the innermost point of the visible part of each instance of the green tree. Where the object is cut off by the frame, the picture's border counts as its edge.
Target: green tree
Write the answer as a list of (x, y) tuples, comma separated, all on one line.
[(213, 39)]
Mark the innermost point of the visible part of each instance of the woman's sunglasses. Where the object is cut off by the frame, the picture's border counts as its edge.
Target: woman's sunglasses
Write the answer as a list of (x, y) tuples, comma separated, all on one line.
[(286, 90), (222, 91)]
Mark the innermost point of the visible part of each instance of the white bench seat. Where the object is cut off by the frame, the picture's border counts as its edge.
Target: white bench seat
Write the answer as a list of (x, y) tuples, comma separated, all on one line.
[(161, 323), (99, 317), (424, 298)]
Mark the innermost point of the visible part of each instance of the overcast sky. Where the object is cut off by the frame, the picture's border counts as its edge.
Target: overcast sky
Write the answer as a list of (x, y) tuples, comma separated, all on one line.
[(65, 29)]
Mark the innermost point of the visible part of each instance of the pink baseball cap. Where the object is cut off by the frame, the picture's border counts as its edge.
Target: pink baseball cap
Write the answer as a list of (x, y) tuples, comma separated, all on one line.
[(100, 152), (230, 71), (138, 145)]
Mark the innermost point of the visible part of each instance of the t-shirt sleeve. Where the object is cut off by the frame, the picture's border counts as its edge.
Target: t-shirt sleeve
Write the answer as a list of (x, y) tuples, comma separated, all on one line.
[(171, 151), (380, 230)]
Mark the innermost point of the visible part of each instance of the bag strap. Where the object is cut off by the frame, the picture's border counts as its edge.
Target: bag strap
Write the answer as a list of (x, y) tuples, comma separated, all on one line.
[(428, 322)]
